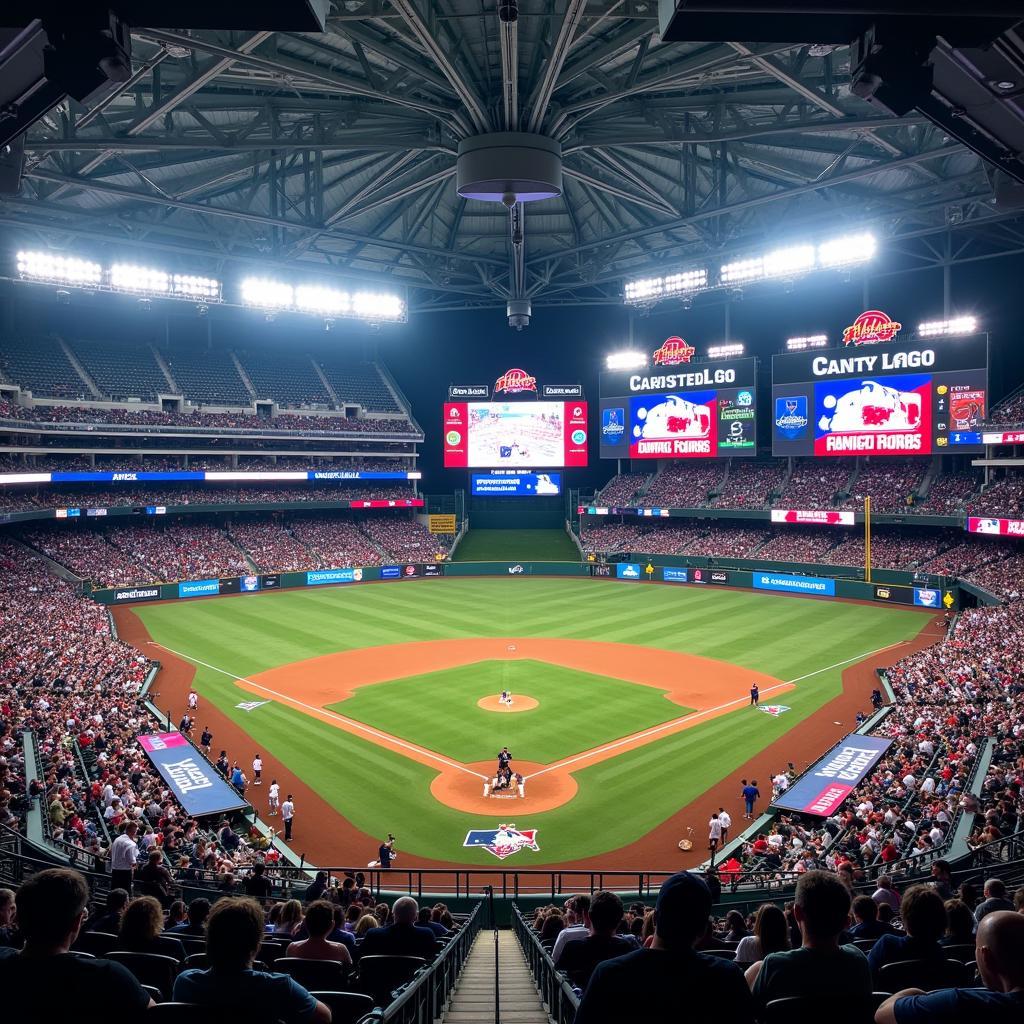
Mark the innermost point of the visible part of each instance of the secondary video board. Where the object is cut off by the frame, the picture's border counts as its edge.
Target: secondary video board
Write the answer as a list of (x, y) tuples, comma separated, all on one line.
[(700, 410), (911, 398), (494, 435)]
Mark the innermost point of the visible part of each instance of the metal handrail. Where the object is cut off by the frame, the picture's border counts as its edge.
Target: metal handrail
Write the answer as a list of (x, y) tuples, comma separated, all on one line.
[(557, 994)]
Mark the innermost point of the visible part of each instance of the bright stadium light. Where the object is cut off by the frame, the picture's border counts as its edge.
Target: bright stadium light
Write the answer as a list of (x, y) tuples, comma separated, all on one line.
[(958, 325), (378, 306), (847, 250), (650, 289), (264, 293), (725, 351), (326, 301), (742, 270), (193, 286), (625, 360), (797, 259), (48, 266), (127, 277), (810, 341)]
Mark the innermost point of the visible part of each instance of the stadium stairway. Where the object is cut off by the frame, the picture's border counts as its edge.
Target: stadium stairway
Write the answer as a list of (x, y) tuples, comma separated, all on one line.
[(473, 1001)]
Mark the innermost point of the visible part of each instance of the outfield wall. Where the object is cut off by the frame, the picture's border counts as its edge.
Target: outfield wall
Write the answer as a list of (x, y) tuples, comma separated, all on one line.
[(776, 577)]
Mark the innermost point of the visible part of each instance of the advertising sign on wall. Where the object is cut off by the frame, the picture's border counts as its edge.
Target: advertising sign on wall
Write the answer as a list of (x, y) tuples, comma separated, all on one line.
[(673, 574), (321, 576), (136, 594), (627, 570), (824, 787), (814, 517), (787, 584), (191, 778), (198, 588), (443, 523), (996, 527)]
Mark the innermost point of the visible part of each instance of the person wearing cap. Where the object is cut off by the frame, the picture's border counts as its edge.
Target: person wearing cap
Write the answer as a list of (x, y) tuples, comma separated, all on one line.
[(669, 974)]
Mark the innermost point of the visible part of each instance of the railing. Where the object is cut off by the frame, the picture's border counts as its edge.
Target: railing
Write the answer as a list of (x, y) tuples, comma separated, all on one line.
[(557, 994), (425, 998)]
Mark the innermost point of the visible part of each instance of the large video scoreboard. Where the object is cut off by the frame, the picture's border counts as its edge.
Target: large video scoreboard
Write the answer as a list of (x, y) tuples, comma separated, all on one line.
[(699, 410), (912, 398)]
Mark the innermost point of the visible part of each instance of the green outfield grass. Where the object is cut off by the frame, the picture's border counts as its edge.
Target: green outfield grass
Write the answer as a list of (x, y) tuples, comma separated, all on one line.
[(790, 638), (578, 711), (516, 545)]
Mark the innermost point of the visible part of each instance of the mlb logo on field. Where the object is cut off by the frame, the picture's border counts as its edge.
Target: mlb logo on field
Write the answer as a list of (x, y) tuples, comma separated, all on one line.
[(773, 709), (503, 841)]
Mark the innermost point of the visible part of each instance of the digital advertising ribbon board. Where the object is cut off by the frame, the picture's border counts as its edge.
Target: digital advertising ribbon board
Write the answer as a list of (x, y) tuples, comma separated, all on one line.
[(193, 780), (912, 398), (996, 527), (813, 517), (785, 583), (823, 788), (680, 412)]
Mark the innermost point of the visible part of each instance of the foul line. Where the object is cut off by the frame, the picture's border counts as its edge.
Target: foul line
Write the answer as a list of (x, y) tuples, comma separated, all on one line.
[(590, 754), (351, 723)]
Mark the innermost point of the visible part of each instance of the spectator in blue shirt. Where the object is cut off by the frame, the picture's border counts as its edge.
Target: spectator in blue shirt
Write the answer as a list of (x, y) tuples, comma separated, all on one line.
[(1000, 952), (751, 794), (234, 931)]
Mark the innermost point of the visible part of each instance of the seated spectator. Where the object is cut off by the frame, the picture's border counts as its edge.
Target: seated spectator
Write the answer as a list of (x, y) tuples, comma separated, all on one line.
[(579, 959), (198, 912), (865, 913), (995, 899), (141, 926), (820, 967), (234, 932), (177, 914), (735, 927), (288, 920), (577, 924), (553, 926), (364, 925), (402, 938), (427, 921), (654, 982), (771, 935), (960, 924), (257, 884), (318, 924), (8, 932), (1001, 965), (924, 920), (316, 889), (110, 920), (886, 893), (51, 908)]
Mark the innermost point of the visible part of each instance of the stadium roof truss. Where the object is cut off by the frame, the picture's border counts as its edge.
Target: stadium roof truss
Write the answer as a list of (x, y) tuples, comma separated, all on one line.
[(335, 153)]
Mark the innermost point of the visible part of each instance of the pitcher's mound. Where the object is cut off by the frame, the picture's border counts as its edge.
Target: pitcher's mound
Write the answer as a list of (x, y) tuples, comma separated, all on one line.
[(519, 703)]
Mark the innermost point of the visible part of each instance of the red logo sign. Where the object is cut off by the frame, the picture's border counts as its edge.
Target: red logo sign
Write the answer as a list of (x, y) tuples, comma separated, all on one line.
[(870, 327), (514, 381), (673, 352)]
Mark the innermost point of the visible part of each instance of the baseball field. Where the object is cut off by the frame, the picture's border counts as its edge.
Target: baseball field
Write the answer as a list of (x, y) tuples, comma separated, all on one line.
[(376, 705)]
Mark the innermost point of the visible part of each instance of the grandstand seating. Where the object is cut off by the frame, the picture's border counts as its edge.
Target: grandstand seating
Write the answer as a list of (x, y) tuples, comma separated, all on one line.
[(41, 366), (814, 483), (683, 486), (359, 383), (891, 484), (121, 372), (289, 378), (751, 484), (207, 377)]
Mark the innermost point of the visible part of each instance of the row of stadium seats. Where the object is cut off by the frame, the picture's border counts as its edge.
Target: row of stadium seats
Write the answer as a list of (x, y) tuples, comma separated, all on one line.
[(116, 555), (204, 376)]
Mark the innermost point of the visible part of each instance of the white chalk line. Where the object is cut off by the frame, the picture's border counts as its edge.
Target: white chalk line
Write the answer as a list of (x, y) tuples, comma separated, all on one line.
[(585, 755), (350, 722), (588, 754)]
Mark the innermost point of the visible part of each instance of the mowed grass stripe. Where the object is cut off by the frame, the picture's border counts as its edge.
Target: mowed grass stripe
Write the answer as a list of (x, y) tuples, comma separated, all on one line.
[(619, 799)]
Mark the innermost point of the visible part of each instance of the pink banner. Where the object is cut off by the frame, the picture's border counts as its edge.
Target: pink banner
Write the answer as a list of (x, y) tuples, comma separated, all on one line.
[(814, 517), (996, 527)]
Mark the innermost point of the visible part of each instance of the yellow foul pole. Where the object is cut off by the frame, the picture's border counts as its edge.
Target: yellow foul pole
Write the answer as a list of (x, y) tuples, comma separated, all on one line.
[(867, 538)]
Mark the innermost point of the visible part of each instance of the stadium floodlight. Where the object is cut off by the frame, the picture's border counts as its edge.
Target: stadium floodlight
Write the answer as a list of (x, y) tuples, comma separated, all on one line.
[(193, 286), (726, 350), (647, 289), (378, 306), (127, 277), (48, 266), (796, 259), (265, 293), (810, 341), (650, 289), (958, 325), (742, 270), (325, 301), (847, 250), (625, 360)]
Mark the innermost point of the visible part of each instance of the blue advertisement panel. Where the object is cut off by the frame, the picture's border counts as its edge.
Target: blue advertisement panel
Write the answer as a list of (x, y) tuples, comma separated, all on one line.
[(198, 588), (671, 574), (819, 585), (198, 476), (190, 777), (516, 485), (927, 597), (390, 572), (822, 789), (627, 570), (249, 584), (315, 579)]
